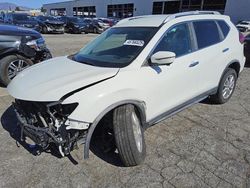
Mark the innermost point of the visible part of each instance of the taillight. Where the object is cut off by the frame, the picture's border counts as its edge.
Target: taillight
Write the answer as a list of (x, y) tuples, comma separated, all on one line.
[(241, 38)]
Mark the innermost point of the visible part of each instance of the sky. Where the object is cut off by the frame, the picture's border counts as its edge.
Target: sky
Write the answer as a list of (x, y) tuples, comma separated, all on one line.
[(31, 3)]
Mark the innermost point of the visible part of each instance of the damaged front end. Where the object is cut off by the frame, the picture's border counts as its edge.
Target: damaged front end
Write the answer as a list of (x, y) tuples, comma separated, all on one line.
[(48, 122)]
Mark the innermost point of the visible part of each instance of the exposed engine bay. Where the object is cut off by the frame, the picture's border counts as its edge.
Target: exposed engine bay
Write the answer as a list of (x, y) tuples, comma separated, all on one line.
[(47, 122)]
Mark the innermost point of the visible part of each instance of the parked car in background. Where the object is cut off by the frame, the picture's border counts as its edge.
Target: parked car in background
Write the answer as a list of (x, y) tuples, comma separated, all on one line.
[(138, 73), (50, 24), (1, 18), (108, 21), (247, 48), (19, 49), (73, 24), (243, 26), (95, 25), (22, 20)]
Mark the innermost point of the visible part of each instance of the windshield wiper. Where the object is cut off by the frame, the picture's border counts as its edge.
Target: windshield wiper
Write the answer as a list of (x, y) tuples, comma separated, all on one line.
[(84, 62)]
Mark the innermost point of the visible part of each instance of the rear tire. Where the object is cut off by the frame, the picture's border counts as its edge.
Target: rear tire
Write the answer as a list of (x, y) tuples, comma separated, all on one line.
[(10, 66), (226, 87), (44, 30), (129, 135)]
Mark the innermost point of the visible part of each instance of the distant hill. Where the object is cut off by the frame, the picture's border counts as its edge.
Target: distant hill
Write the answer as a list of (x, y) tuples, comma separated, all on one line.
[(11, 6)]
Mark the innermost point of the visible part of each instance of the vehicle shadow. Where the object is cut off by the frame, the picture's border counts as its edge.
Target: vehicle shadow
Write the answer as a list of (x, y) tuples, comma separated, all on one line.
[(2, 86), (110, 156), (247, 64), (10, 123)]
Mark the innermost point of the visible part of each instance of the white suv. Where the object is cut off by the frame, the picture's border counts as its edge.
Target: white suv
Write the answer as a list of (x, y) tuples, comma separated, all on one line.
[(137, 73)]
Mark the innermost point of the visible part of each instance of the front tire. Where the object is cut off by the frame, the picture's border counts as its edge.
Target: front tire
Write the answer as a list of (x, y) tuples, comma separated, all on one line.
[(129, 135), (226, 87), (10, 66), (44, 30)]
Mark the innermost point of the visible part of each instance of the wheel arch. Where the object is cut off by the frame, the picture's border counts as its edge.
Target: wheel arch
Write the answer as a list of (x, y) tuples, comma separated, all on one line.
[(9, 51), (234, 65), (13, 51), (140, 106)]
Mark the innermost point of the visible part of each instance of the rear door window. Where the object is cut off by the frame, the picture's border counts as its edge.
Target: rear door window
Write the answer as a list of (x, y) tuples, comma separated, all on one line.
[(207, 33), (224, 28)]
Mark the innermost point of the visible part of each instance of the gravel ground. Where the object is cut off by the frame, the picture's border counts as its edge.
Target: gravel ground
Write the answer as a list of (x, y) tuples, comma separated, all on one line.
[(203, 146)]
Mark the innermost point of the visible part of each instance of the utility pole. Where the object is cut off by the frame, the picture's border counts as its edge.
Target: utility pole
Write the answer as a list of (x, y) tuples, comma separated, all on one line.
[(202, 4)]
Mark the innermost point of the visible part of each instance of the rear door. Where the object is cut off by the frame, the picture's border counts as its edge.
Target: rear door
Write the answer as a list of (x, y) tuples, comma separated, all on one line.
[(210, 53)]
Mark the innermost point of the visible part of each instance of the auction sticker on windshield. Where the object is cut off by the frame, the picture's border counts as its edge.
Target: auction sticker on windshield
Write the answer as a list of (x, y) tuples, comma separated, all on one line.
[(134, 42)]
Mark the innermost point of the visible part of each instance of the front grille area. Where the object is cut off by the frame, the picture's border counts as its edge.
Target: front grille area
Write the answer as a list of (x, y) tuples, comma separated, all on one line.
[(32, 107), (56, 27), (42, 114), (33, 111)]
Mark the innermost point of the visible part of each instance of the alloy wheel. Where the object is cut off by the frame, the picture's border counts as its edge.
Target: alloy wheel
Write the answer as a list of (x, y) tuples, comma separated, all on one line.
[(16, 67), (228, 86), (137, 131)]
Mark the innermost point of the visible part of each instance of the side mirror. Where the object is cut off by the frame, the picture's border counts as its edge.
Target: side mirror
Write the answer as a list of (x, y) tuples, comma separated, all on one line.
[(163, 58)]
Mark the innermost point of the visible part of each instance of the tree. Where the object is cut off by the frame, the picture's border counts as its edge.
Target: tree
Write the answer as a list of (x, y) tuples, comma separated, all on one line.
[(43, 10), (17, 9)]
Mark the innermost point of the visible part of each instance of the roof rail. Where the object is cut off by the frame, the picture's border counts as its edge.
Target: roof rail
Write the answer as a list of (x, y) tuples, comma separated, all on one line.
[(189, 13)]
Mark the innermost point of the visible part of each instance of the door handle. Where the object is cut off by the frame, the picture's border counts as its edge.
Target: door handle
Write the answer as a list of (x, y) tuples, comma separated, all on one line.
[(194, 64), (225, 50)]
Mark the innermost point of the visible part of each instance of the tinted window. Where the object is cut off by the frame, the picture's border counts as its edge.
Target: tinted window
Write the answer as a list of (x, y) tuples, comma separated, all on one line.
[(207, 33), (176, 40), (224, 28), (21, 17)]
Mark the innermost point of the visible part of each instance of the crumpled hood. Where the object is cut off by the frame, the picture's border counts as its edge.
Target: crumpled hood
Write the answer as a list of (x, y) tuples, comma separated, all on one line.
[(54, 78)]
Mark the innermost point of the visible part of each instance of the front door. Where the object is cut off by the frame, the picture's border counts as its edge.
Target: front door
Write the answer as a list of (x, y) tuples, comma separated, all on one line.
[(172, 85)]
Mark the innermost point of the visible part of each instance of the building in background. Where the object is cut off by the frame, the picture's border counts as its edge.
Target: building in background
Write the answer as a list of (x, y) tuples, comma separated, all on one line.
[(238, 10), (128, 8)]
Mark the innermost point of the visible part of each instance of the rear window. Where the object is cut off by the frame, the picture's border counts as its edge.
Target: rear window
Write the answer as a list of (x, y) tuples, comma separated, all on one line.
[(224, 28), (207, 33)]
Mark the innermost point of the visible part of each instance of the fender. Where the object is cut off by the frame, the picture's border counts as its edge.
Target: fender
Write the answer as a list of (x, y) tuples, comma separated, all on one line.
[(8, 51), (140, 106), (228, 65), (13, 51)]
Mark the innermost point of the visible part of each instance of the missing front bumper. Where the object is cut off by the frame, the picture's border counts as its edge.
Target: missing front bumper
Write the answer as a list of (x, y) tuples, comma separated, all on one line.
[(66, 140)]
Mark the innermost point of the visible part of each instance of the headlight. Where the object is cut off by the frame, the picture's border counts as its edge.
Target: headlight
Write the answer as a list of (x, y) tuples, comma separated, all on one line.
[(76, 26), (20, 25), (38, 44)]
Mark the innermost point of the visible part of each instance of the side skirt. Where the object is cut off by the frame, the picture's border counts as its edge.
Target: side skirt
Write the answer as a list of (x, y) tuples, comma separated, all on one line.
[(180, 107)]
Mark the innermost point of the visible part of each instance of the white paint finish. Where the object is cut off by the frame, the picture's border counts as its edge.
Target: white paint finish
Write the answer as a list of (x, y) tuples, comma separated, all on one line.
[(60, 76), (160, 88)]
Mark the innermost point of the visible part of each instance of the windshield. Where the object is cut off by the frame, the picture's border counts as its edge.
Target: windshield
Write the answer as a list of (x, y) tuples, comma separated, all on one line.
[(50, 18), (76, 20), (21, 17), (117, 47)]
